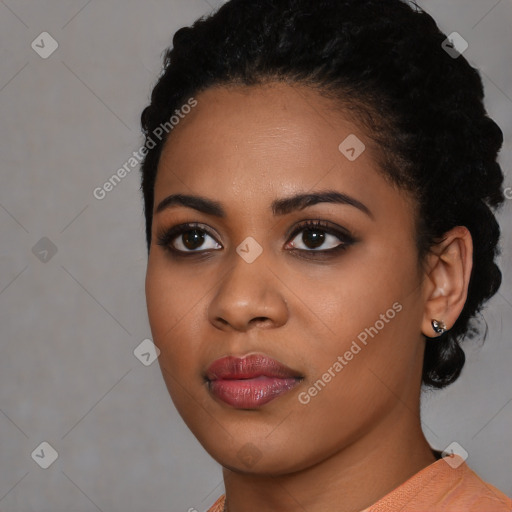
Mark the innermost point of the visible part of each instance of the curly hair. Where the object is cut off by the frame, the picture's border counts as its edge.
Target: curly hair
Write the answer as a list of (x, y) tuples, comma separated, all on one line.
[(384, 61)]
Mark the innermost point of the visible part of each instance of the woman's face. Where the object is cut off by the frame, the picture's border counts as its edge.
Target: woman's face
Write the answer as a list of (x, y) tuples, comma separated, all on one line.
[(282, 343)]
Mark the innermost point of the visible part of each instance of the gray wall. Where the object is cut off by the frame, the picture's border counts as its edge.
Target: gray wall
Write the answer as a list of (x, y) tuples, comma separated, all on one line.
[(70, 321)]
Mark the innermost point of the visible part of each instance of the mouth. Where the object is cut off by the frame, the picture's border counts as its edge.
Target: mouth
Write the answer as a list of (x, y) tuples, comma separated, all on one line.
[(249, 382)]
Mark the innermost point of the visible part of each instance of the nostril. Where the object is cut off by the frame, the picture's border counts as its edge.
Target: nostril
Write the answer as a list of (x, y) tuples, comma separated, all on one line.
[(260, 319)]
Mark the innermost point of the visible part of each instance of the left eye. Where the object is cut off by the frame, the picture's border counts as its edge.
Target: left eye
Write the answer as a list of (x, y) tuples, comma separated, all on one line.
[(313, 236)]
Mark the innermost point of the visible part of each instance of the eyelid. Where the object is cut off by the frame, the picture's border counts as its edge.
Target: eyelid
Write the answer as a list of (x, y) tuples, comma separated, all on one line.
[(321, 225)]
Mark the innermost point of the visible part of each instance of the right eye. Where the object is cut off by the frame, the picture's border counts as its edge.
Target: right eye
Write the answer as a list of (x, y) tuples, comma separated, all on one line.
[(187, 238)]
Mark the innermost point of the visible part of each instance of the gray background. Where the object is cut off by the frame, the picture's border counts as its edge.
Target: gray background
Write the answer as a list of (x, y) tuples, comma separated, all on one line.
[(70, 324)]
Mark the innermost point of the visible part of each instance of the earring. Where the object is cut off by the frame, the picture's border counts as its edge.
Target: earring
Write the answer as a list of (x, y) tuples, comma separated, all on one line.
[(438, 326)]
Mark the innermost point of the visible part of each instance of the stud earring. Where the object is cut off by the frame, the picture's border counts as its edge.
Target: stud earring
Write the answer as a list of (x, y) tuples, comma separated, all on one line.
[(438, 326)]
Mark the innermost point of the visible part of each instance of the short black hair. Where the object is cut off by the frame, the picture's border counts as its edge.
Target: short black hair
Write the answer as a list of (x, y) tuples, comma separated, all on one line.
[(386, 61)]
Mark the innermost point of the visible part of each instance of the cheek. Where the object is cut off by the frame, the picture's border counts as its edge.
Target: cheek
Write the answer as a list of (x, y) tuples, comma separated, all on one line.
[(169, 298), (369, 317), (170, 307), (177, 310), (347, 303), (167, 314)]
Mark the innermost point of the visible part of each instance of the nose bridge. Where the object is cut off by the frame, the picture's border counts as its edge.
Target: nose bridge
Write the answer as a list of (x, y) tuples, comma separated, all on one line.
[(248, 291)]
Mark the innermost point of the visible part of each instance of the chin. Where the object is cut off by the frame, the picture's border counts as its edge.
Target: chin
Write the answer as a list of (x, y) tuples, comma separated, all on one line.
[(252, 454)]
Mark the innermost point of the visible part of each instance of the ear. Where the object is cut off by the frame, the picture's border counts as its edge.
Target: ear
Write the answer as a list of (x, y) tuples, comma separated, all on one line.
[(446, 281)]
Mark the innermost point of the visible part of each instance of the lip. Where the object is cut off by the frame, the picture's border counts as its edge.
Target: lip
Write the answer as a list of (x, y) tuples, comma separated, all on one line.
[(251, 381)]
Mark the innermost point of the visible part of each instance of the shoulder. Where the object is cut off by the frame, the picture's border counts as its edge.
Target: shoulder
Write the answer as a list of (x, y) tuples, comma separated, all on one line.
[(441, 487), (479, 496), (218, 506), (447, 485)]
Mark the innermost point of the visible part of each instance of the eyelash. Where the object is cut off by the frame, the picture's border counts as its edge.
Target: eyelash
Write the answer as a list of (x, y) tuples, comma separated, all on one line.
[(167, 236)]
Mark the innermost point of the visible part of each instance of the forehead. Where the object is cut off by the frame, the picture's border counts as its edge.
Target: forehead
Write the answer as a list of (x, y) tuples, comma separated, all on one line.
[(249, 143)]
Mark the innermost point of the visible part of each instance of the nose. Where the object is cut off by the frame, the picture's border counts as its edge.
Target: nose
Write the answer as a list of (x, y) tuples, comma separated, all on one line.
[(249, 295)]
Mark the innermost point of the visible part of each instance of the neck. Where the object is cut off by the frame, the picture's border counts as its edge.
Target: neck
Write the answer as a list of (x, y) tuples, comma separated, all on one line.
[(349, 480)]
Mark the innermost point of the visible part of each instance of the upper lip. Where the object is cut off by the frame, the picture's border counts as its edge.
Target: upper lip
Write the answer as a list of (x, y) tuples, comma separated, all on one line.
[(249, 367)]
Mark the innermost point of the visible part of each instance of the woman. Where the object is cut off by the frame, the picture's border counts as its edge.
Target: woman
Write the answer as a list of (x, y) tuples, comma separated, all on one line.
[(318, 185)]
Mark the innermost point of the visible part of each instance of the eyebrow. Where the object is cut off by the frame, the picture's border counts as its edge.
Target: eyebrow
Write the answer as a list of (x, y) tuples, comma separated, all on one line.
[(279, 207)]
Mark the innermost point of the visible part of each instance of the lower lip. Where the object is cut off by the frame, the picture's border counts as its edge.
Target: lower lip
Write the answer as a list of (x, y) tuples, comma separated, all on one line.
[(250, 393)]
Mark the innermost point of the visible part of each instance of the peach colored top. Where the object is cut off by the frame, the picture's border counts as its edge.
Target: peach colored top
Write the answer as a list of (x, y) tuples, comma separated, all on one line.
[(443, 486)]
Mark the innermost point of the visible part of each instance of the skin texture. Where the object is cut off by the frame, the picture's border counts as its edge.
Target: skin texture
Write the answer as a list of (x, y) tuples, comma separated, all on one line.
[(360, 436)]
